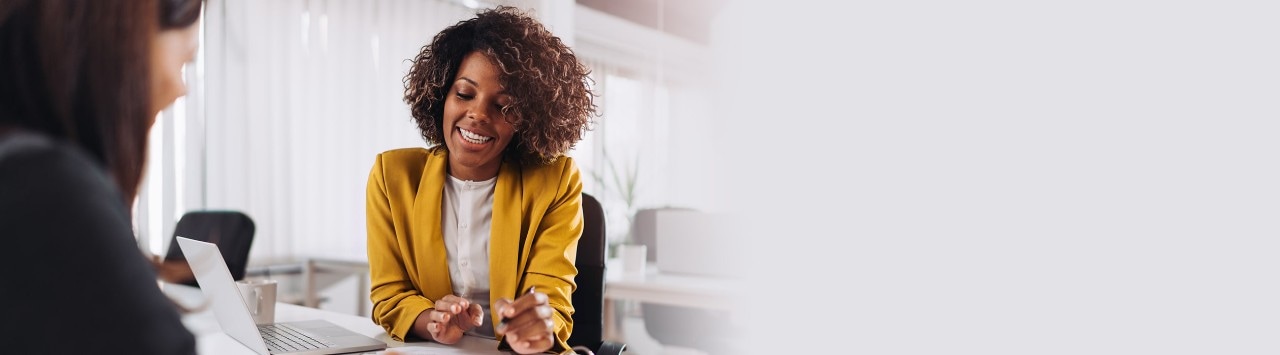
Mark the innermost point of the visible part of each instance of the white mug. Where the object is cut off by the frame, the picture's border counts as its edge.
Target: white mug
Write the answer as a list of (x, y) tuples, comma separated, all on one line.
[(260, 297), (634, 257)]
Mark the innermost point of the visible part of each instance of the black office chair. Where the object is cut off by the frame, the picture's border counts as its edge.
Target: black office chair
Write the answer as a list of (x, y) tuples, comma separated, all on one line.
[(588, 299), (232, 231)]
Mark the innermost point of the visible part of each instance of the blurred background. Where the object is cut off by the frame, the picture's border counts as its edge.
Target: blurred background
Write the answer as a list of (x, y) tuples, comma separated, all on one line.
[(290, 101), (914, 177)]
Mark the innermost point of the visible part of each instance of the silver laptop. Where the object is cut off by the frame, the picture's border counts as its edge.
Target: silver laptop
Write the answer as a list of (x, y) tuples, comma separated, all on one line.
[(303, 337)]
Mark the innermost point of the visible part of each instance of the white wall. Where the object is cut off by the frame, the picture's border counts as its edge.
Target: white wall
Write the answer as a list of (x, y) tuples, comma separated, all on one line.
[(1003, 177), (292, 99), (303, 95), (657, 116)]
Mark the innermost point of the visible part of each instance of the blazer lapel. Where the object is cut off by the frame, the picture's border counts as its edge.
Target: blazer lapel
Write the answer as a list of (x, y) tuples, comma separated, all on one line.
[(430, 261), (505, 236)]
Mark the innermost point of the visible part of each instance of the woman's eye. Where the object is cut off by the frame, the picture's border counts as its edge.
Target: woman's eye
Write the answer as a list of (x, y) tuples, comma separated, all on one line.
[(464, 96)]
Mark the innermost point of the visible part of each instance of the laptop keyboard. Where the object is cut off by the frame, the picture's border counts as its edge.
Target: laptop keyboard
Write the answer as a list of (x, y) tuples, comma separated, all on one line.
[(285, 338)]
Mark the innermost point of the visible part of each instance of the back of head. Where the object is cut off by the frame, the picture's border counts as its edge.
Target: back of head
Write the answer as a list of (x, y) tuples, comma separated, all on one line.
[(175, 14), (78, 71)]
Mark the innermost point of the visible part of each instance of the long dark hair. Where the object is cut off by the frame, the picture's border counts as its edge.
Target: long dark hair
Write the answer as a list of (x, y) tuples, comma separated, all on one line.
[(76, 70), (176, 14)]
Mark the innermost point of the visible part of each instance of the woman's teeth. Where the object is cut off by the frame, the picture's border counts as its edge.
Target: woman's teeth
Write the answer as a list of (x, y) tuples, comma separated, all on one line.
[(473, 137)]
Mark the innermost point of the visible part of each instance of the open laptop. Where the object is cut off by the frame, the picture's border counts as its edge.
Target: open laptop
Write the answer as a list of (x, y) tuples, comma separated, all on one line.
[(303, 337)]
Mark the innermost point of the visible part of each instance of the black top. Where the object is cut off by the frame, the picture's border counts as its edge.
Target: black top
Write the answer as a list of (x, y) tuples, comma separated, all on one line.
[(72, 279)]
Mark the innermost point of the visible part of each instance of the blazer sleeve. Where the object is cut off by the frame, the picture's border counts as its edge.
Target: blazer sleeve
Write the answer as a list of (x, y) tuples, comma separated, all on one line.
[(555, 249), (396, 302)]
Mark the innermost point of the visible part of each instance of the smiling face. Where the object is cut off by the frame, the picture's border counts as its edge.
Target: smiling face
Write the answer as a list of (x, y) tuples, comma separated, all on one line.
[(475, 129)]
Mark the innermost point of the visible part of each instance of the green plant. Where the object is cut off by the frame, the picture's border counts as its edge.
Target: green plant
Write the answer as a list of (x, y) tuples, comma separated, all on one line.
[(621, 183)]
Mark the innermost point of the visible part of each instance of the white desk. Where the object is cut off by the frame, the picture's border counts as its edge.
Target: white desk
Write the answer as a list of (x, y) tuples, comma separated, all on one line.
[(671, 289), (315, 273), (211, 340), (649, 287)]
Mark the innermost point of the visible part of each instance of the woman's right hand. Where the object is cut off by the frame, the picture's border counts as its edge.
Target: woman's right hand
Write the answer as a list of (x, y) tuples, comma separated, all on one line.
[(451, 317)]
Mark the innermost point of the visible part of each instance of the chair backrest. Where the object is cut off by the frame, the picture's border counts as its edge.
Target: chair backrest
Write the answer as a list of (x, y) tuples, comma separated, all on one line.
[(232, 231), (588, 299)]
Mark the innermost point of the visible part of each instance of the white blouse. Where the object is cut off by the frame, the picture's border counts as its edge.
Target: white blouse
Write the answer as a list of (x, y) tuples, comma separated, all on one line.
[(468, 210)]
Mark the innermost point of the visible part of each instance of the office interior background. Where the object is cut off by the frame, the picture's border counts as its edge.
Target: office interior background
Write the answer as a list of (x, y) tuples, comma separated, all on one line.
[(915, 177), (290, 100)]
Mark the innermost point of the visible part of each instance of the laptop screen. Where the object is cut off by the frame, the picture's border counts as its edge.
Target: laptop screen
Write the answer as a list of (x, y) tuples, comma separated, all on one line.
[(315, 336), (220, 289)]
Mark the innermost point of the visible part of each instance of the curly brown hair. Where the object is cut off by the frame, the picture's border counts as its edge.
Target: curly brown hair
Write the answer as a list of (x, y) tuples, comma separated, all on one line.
[(552, 103)]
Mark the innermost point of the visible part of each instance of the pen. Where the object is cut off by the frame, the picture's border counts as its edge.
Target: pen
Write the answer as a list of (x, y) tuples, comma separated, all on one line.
[(504, 319)]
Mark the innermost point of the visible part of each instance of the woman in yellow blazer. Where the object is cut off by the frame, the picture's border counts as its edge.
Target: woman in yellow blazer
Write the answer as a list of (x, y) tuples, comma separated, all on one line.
[(488, 217)]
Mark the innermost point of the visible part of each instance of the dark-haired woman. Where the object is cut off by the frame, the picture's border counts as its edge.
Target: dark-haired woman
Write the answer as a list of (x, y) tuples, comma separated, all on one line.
[(81, 83)]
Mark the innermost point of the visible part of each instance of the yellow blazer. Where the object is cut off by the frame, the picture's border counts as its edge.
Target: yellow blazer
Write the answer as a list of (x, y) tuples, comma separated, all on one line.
[(537, 220)]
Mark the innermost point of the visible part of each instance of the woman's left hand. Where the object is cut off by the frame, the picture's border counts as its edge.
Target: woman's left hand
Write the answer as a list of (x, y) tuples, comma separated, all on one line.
[(526, 323)]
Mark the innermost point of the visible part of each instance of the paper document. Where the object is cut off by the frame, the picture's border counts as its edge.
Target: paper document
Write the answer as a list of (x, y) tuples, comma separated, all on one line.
[(423, 350)]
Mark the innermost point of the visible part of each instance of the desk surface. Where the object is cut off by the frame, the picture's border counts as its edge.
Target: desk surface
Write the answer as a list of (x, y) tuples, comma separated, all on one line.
[(652, 286), (673, 289), (211, 340)]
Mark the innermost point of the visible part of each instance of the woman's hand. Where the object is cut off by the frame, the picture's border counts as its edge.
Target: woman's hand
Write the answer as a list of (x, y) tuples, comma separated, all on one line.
[(171, 271), (451, 317), (526, 323)]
